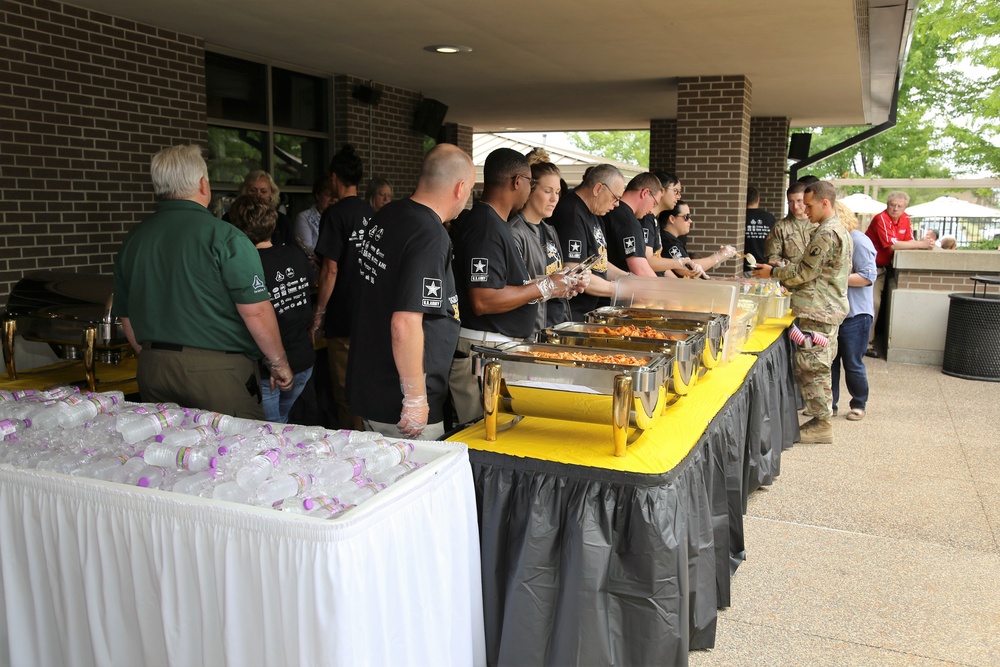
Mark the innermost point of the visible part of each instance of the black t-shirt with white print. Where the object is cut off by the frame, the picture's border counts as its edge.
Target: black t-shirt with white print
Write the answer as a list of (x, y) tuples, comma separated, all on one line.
[(581, 234), (625, 237), (340, 233)]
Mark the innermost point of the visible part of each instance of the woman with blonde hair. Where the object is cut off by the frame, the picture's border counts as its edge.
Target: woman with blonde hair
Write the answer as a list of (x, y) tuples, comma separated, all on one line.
[(852, 337), (260, 184)]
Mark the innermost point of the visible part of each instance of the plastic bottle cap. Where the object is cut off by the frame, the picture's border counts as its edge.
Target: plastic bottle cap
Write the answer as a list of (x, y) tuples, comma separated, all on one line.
[(213, 462), (143, 481), (159, 438), (308, 503), (27, 423), (223, 450)]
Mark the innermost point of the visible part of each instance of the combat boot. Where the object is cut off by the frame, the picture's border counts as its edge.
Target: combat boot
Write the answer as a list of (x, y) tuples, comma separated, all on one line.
[(817, 431)]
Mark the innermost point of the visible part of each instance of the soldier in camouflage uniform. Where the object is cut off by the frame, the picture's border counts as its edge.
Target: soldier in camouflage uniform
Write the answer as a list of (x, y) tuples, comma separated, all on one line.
[(789, 237), (818, 283)]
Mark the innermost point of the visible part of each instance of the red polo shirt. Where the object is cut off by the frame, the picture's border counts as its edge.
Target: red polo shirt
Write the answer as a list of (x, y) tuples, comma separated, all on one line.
[(884, 233)]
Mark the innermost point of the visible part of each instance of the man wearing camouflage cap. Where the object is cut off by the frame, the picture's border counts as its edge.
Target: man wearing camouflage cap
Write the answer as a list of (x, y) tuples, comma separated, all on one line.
[(818, 283)]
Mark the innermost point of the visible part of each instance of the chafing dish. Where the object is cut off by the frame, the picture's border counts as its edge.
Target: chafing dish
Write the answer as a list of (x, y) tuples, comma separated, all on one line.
[(515, 381), (683, 347), (71, 312), (713, 327)]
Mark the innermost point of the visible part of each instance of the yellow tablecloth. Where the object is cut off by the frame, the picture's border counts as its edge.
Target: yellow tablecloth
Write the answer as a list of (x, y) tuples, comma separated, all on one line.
[(768, 332), (110, 377), (656, 451)]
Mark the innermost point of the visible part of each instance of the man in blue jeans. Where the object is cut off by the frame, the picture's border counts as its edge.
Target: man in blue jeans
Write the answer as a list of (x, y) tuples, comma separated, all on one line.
[(852, 339)]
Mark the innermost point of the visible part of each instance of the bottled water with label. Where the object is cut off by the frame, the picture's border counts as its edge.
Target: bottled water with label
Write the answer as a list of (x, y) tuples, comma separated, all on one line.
[(232, 492), (12, 426), (188, 458), (47, 417), (102, 468), (285, 486), (196, 484), (128, 471), (259, 468), (386, 457), (186, 437), (150, 425)]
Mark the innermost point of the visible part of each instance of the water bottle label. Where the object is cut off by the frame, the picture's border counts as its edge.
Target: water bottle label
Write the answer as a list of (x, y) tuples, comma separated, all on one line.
[(182, 456), (141, 411), (7, 427), (123, 458), (302, 481), (359, 465), (273, 455), (163, 418), (73, 400), (23, 393)]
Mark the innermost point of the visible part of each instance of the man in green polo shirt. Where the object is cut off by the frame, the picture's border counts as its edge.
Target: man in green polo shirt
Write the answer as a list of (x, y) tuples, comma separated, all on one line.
[(194, 304)]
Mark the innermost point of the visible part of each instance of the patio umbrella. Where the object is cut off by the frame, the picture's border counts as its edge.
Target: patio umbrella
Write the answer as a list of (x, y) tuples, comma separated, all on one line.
[(862, 204), (950, 207)]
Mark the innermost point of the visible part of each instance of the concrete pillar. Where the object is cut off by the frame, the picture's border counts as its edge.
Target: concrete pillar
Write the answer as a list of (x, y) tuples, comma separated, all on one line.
[(663, 144), (769, 161), (713, 145)]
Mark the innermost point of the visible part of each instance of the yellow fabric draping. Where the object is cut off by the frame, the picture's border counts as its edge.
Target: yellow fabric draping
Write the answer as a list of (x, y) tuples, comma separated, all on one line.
[(766, 333), (655, 451)]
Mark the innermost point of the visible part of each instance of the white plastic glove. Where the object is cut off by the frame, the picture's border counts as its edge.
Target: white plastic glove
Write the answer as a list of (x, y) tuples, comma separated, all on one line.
[(726, 252), (413, 417)]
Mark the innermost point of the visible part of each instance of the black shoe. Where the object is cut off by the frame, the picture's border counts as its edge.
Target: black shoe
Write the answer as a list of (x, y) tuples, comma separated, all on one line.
[(872, 352)]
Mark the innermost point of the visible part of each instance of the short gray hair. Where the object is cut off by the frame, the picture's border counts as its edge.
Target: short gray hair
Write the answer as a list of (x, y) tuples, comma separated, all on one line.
[(177, 171), (898, 194), (602, 173)]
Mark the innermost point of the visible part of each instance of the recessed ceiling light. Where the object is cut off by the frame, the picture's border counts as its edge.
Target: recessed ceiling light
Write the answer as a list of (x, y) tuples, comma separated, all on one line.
[(511, 129), (447, 48)]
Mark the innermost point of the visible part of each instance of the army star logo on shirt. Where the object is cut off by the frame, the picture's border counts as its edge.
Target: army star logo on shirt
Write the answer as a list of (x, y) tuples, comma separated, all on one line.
[(432, 293), (629, 242), (575, 249), (480, 270), (258, 285)]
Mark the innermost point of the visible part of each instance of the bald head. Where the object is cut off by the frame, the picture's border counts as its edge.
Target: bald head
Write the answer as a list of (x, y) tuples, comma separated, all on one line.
[(443, 167), (446, 180)]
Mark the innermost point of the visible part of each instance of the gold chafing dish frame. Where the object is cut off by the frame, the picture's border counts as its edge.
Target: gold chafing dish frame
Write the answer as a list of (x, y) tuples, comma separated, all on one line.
[(684, 348), (638, 393), (712, 326)]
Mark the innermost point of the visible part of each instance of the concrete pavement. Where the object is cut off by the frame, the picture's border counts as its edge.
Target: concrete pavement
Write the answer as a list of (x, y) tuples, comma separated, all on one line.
[(884, 547)]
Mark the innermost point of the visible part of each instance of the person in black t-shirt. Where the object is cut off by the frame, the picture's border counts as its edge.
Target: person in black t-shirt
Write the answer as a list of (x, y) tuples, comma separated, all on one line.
[(577, 219), (289, 274), (340, 233), (759, 225), (403, 340), (626, 241), (676, 224), (665, 266), (496, 295)]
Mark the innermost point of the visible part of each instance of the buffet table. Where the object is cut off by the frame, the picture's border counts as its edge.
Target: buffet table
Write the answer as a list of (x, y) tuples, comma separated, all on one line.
[(590, 558), (95, 573)]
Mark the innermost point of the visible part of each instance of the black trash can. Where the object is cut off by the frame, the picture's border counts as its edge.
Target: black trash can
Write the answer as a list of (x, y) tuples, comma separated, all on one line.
[(972, 343)]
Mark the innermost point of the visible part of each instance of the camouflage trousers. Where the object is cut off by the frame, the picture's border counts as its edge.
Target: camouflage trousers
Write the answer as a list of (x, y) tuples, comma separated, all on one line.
[(812, 369)]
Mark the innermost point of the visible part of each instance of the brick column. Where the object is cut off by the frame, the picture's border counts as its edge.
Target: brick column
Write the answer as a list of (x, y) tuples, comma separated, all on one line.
[(769, 161), (460, 135), (381, 133), (713, 139), (663, 144)]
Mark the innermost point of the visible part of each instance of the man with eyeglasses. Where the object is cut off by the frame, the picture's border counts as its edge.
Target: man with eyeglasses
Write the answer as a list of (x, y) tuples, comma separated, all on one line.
[(497, 298), (626, 241), (577, 219)]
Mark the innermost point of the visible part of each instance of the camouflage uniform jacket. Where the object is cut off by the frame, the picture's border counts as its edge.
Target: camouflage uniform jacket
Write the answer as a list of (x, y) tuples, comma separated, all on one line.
[(788, 240), (818, 282)]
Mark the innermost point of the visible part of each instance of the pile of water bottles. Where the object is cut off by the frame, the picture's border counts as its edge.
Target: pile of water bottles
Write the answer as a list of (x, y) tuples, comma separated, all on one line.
[(302, 469)]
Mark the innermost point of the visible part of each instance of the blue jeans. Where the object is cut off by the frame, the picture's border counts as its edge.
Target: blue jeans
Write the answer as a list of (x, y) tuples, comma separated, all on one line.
[(277, 404), (852, 343)]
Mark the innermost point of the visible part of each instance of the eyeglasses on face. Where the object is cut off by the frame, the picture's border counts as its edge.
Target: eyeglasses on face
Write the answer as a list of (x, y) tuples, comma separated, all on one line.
[(686, 216), (608, 188), (531, 181)]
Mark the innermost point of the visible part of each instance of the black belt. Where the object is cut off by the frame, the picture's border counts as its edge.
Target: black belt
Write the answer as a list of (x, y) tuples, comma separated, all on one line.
[(174, 347)]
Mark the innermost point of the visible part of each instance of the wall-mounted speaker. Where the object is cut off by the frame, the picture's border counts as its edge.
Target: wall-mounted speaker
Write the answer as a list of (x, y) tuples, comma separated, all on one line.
[(798, 149), (366, 94), (429, 117)]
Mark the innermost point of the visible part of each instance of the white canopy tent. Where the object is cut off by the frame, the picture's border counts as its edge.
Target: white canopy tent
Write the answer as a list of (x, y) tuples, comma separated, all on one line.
[(951, 207), (862, 204)]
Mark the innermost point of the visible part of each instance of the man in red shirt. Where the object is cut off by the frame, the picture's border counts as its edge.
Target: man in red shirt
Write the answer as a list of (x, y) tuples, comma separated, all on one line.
[(890, 231)]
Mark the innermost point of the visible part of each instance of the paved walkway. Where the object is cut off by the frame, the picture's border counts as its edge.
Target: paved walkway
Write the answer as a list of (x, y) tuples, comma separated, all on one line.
[(882, 549)]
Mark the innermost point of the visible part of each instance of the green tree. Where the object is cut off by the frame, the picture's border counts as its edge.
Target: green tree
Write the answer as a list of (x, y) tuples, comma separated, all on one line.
[(948, 116), (631, 147)]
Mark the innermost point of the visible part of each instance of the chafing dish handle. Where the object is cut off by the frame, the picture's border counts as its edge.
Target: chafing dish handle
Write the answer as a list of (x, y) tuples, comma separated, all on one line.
[(9, 331), (621, 408), (491, 398), (89, 337)]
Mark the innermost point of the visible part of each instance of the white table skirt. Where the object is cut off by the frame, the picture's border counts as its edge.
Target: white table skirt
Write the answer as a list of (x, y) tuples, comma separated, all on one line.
[(95, 573)]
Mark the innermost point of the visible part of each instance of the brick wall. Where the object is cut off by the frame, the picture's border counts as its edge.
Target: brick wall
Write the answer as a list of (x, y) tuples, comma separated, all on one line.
[(460, 135), (713, 132), (86, 99), (381, 133), (939, 281), (663, 144), (768, 161)]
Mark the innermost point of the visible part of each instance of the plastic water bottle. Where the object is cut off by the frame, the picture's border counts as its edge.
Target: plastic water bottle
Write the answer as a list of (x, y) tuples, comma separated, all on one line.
[(150, 425), (285, 486), (150, 476), (128, 470), (297, 434), (258, 468), (232, 492), (102, 468), (196, 484), (62, 461), (337, 471), (12, 426), (47, 416), (225, 423), (363, 448), (328, 446), (387, 457), (186, 437), (391, 475), (88, 407), (355, 496), (321, 506), (189, 458)]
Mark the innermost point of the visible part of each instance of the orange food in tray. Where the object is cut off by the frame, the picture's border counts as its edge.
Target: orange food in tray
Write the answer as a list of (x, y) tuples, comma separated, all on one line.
[(633, 331), (620, 359)]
